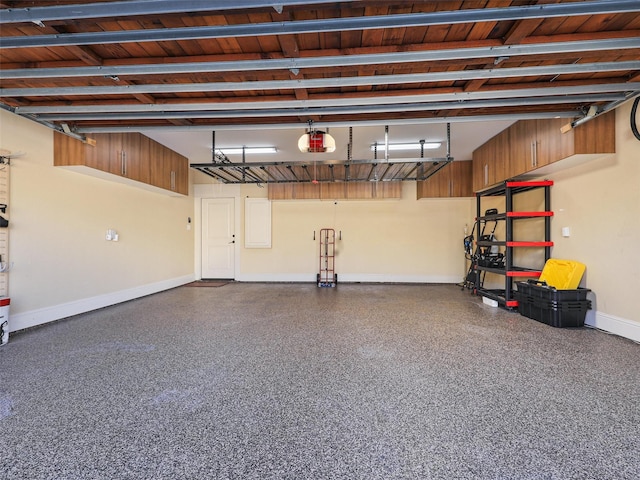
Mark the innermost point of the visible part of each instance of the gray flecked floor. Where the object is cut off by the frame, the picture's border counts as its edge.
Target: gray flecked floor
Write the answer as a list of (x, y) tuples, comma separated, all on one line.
[(290, 381)]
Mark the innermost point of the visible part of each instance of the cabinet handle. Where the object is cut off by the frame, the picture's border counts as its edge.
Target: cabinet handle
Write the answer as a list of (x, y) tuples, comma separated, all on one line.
[(486, 174), (123, 162), (533, 153), (173, 180)]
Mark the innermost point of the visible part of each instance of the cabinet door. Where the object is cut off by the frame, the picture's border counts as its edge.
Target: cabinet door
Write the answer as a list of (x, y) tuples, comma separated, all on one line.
[(480, 168), (437, 185), (499, 163), (522, 140), (179, 174), (111, 154), (99, 156), (552, 145), (67, 150), (597, 135), (490, 163), (454, 180), (461, 179), (135, 148), (159, 167), (167, 169)]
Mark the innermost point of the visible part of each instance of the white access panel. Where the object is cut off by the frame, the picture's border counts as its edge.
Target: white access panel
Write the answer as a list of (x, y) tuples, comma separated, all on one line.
[(257, 223)]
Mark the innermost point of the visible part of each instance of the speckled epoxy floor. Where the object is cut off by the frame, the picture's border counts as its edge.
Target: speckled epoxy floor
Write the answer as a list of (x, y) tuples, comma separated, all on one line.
[(289, 381)]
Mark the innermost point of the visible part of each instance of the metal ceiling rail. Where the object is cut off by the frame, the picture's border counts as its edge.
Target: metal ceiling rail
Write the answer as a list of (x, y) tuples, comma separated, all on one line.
[(546, 93), (366, 161), (596, 7), (333, 124), (140, 7), (295, 64), (328, 110), (553, 70)]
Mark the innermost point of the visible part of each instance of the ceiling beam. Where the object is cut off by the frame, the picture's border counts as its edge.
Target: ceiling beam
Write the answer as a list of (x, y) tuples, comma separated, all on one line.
[(595, 7), (545, 70), (131, 8), (334, 124), (453, 97), (285, 110), (441, 54), (521, 30)]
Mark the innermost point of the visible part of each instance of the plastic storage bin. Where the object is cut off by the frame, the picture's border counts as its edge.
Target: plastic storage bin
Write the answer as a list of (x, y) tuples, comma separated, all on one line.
[(536, 290), (568, 314), (562, 274), (558, 308)]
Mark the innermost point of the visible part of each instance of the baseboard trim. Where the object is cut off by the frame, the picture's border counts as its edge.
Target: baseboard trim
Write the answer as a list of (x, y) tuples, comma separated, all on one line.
[(347, 278), (33, 318), (384, 278), (612, 324)]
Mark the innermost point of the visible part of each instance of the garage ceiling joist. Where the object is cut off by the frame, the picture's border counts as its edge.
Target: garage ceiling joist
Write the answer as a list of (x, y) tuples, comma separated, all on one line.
[(324, 25), (201, 112), (455, 75), (332, 61), (131, 8)]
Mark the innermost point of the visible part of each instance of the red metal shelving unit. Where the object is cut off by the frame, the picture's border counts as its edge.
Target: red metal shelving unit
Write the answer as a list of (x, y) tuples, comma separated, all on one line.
[(508, 190)]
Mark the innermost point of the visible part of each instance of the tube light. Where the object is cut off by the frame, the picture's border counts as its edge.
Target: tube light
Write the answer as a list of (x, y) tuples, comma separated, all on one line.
[(247, 150), (407, 146)]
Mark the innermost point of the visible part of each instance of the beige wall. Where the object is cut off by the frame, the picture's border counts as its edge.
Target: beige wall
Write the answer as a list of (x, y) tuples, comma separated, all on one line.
[(392, 240), (599, 200), (58, 221)]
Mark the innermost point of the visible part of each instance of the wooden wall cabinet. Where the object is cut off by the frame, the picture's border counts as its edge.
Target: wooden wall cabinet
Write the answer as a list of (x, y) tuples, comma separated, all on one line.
[(536, 143), (490, 161), (335, 191), (453, 180), (122, 154), (522, 138), (528, 145), (169, 170), (130, 156)]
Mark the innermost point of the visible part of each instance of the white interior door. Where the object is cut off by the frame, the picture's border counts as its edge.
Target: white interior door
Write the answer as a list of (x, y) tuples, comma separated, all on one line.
[(218, 238)]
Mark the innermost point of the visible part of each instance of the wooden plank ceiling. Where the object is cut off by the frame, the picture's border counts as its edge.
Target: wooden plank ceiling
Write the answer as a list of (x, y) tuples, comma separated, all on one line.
[(103, 66)]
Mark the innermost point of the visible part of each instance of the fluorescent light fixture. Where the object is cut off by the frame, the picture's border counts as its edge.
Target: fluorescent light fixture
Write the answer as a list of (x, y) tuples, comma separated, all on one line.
[(247, 150), (407, 146)]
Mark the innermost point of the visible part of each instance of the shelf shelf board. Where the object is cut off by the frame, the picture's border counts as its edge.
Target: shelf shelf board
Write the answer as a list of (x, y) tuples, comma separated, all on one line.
[(498, 296), (514, 186), (529, 214), (514, 272), (529, 244)]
